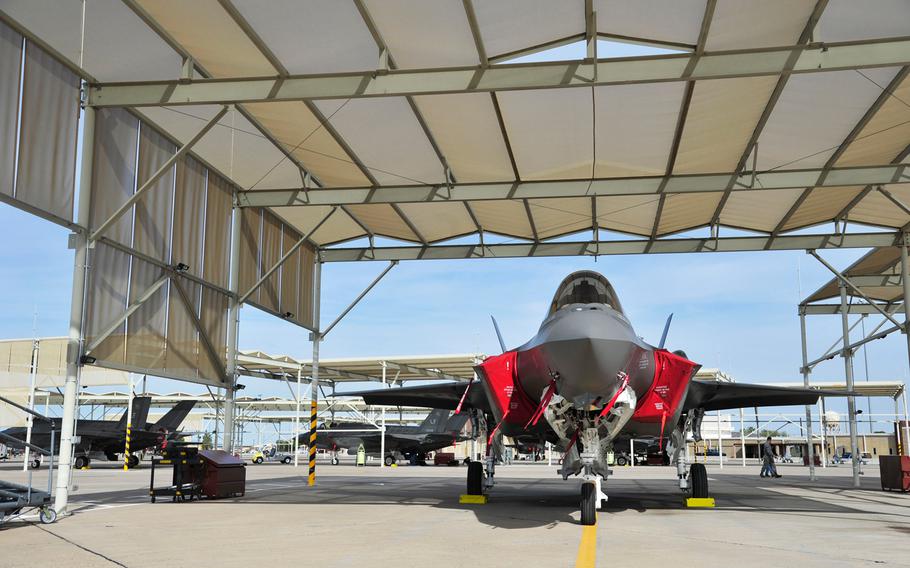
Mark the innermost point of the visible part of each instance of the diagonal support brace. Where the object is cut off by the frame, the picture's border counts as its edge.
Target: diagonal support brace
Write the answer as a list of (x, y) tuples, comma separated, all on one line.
[(145, 297), (286, 256), (858, 292), (366, 291)]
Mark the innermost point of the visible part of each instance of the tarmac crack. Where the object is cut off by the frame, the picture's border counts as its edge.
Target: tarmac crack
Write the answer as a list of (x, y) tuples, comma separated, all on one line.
[(79, 546)]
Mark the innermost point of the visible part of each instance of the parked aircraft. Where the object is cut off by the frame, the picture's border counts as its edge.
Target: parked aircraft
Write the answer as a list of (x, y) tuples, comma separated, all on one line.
[(437, 431), (588, 383), (107, 438)]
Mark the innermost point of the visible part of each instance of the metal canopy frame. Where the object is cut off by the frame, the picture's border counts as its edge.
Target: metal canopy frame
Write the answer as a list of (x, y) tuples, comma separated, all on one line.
[(494, 74), (851, 285), (810, 58)]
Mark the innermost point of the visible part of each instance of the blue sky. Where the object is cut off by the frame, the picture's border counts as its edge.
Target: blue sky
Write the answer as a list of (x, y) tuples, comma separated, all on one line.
[(735, 311)]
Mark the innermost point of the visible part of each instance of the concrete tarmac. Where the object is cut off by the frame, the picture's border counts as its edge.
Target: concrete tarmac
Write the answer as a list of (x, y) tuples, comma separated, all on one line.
[(410, 516)]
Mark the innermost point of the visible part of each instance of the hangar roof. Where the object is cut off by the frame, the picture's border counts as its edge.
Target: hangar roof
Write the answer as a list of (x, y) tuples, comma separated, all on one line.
[(420, 123)]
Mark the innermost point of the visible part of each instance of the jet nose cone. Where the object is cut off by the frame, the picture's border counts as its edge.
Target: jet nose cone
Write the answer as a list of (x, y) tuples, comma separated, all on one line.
[(588, 368)]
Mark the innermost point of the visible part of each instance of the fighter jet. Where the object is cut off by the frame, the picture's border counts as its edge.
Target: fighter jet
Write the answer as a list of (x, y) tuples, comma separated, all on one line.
[(107, 438), (437, 431), (587, 383)]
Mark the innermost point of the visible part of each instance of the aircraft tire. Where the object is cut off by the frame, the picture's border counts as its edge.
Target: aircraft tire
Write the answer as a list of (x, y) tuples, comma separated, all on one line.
[(621, 461), (698, 479), (588, 504), (389, 460), (133, 461), (81, 462), (475, 478)]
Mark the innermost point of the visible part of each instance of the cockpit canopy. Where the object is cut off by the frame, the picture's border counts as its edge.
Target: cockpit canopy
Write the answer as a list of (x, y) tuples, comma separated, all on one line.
[(585, 287)]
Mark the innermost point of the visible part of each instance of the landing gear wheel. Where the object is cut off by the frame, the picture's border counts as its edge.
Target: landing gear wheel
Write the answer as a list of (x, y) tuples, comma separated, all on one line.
[(133, 461), (588, 504), (286, 460), (475, 478), (389, 460), (698, 480), (81, 462), (47, 515), (621, 461)]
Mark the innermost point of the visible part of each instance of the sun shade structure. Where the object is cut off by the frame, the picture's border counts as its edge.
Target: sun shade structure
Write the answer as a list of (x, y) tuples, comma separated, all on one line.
[(224, 149), (358, 369), (417, 124)]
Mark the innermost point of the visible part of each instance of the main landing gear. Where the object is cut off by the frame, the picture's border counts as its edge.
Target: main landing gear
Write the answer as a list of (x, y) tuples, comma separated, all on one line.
[(81, 462)]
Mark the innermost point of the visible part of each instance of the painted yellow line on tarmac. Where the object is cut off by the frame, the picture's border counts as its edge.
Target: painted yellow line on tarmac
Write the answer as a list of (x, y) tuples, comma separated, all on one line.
[(587, 548)]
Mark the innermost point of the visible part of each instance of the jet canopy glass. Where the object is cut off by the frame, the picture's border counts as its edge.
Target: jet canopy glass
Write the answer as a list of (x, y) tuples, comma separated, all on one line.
[(585, 287)]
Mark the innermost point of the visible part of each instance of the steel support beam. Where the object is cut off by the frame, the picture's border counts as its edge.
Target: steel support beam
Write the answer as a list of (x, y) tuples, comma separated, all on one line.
[(233, 329), (314, 383), (603, 248), (810, 58), (830, 309), (147, 184), (847, 354), (77, 317), (598, 187), (905, 273), (805, 370)]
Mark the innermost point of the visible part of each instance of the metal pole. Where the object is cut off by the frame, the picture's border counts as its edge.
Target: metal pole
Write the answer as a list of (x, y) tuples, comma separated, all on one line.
[(823, 420), (32, 375), (297, 418), (233, 330), (848, 370), (129, 422), (720, 443), (905, 280), (382, 411), (77, 312), (631, 452), (742, 435), (906, 426), (805, 372), (314, 389)]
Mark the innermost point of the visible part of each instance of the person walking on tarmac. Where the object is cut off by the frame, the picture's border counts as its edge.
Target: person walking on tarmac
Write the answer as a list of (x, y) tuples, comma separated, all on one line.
[(768, 469)]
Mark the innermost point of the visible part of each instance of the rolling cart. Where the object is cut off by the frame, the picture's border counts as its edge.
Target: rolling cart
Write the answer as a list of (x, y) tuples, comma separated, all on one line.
[(17, 499)]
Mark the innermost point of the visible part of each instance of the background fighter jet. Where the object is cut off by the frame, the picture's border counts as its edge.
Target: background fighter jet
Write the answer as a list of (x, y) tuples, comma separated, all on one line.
[(585, 383), (437, 431), (107, 438)]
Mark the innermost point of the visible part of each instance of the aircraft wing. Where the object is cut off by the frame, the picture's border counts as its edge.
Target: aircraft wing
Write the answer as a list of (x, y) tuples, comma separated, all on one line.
[(445, 395), (712, 395)]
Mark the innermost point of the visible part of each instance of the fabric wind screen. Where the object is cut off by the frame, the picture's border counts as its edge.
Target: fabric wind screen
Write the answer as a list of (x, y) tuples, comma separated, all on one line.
[(146, 335), (265, 238), (217, 255), (250, 231), (306, 291), (154, 209), (108, 292), (114, 170), (10, 66), (290, 273), (270, 246), (189, 200), (46, 174)]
